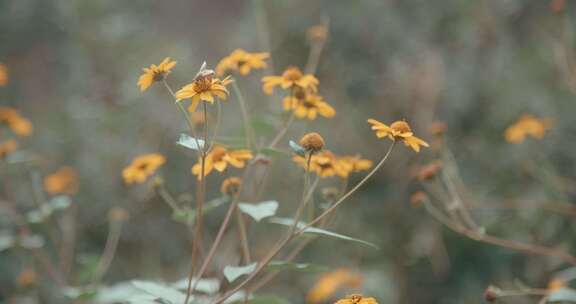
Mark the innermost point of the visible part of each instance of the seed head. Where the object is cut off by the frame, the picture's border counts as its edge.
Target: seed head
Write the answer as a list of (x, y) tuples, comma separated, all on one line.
[(312, 142)]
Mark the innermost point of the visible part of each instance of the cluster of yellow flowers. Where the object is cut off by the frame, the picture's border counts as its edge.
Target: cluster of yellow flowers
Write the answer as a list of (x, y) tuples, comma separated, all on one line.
[(527, 125), (142, 167), (327, 164)]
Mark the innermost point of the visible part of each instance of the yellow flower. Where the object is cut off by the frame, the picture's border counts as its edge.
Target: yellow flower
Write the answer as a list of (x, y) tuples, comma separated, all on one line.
[(330, 282), (204, 87), (306, 104), (3, 75), (242, 61), (7, 147), (11, 118), (219, 158), (527, 125), (357, 299), (324, 164), (398, 130), (142, 167), (155, 73), (354, 164), (230, 186), (290, 79), (556, 284), (63, 181)]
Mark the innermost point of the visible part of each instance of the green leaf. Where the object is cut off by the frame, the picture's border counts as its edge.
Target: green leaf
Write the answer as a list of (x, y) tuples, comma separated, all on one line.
[(208, 286), (6, 242), (286, 265), (190, 142), (268, 299), (159, 291), (318, 231), (187, 216), (260, 210), (562, 295), (55, 204), (233, 272), (298, 149)]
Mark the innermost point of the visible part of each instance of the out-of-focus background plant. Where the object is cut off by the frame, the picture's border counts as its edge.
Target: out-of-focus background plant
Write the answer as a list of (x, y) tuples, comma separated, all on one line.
[(489, 84)]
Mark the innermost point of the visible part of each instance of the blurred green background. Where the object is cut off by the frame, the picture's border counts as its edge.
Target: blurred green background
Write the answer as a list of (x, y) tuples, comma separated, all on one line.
[(476, 65)]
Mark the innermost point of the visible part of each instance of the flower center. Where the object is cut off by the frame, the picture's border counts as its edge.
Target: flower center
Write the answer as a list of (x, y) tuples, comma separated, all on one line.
[(158, 75), (292, 74), (400, 126), (356, 298), (203, 83), (143, 166)]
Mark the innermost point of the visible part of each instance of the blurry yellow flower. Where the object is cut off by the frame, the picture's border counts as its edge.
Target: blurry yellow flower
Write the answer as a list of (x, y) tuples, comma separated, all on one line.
[(118, 214), (155, 73), (11, 118), (142, 167), (330, 282), (230, 186), (3, 75), (556, 284), (355, 163), (398, 130), (63, 181), (317, 33), (7, 147), (324, 164), (357, 299), (306, 104), (27, 278), (241, 61), (204, 87), (527, 125), (290, 79), (219, 158)]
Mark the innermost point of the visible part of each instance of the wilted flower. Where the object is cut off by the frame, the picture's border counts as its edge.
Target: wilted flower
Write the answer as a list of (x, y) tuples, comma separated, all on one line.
[(312, 142), (155, 73), (330, 282), (290, 79), (27, 278), (241, 61), (230, 186), (142, 167), (317, 33), (7, 147), (357, 299), (418, 198), (527, 125), (118, 214), (3, 75), (429, 171), (63, 181), (307, 104), (18, 124), (204, 87), (219, 158), (398, 130)]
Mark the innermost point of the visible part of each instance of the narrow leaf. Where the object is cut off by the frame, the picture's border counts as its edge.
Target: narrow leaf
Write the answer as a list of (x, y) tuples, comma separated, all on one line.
[(318, 231), (297, 148), (286, 265)]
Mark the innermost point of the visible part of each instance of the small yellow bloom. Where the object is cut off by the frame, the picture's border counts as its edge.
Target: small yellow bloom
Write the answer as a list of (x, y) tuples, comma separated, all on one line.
[(63, 181), (230, 186), (353, 164), (307, 104), (290, 79), (527, 125), (429, 171), (398, 130), (329, 283), (8, 147), (3, 75), (142, 167), (219, 158), (241, 61), (357, 299), (155, 73), (204, 87), (324, 164), (556, 284), (18, 124)]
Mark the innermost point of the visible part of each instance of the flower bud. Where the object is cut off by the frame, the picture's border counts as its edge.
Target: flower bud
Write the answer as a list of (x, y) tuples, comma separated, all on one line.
[(312, 142)]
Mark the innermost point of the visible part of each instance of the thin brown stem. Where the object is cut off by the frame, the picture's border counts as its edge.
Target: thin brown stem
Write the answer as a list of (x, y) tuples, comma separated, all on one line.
[(109, 251), (243, 237), (248, 130)]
